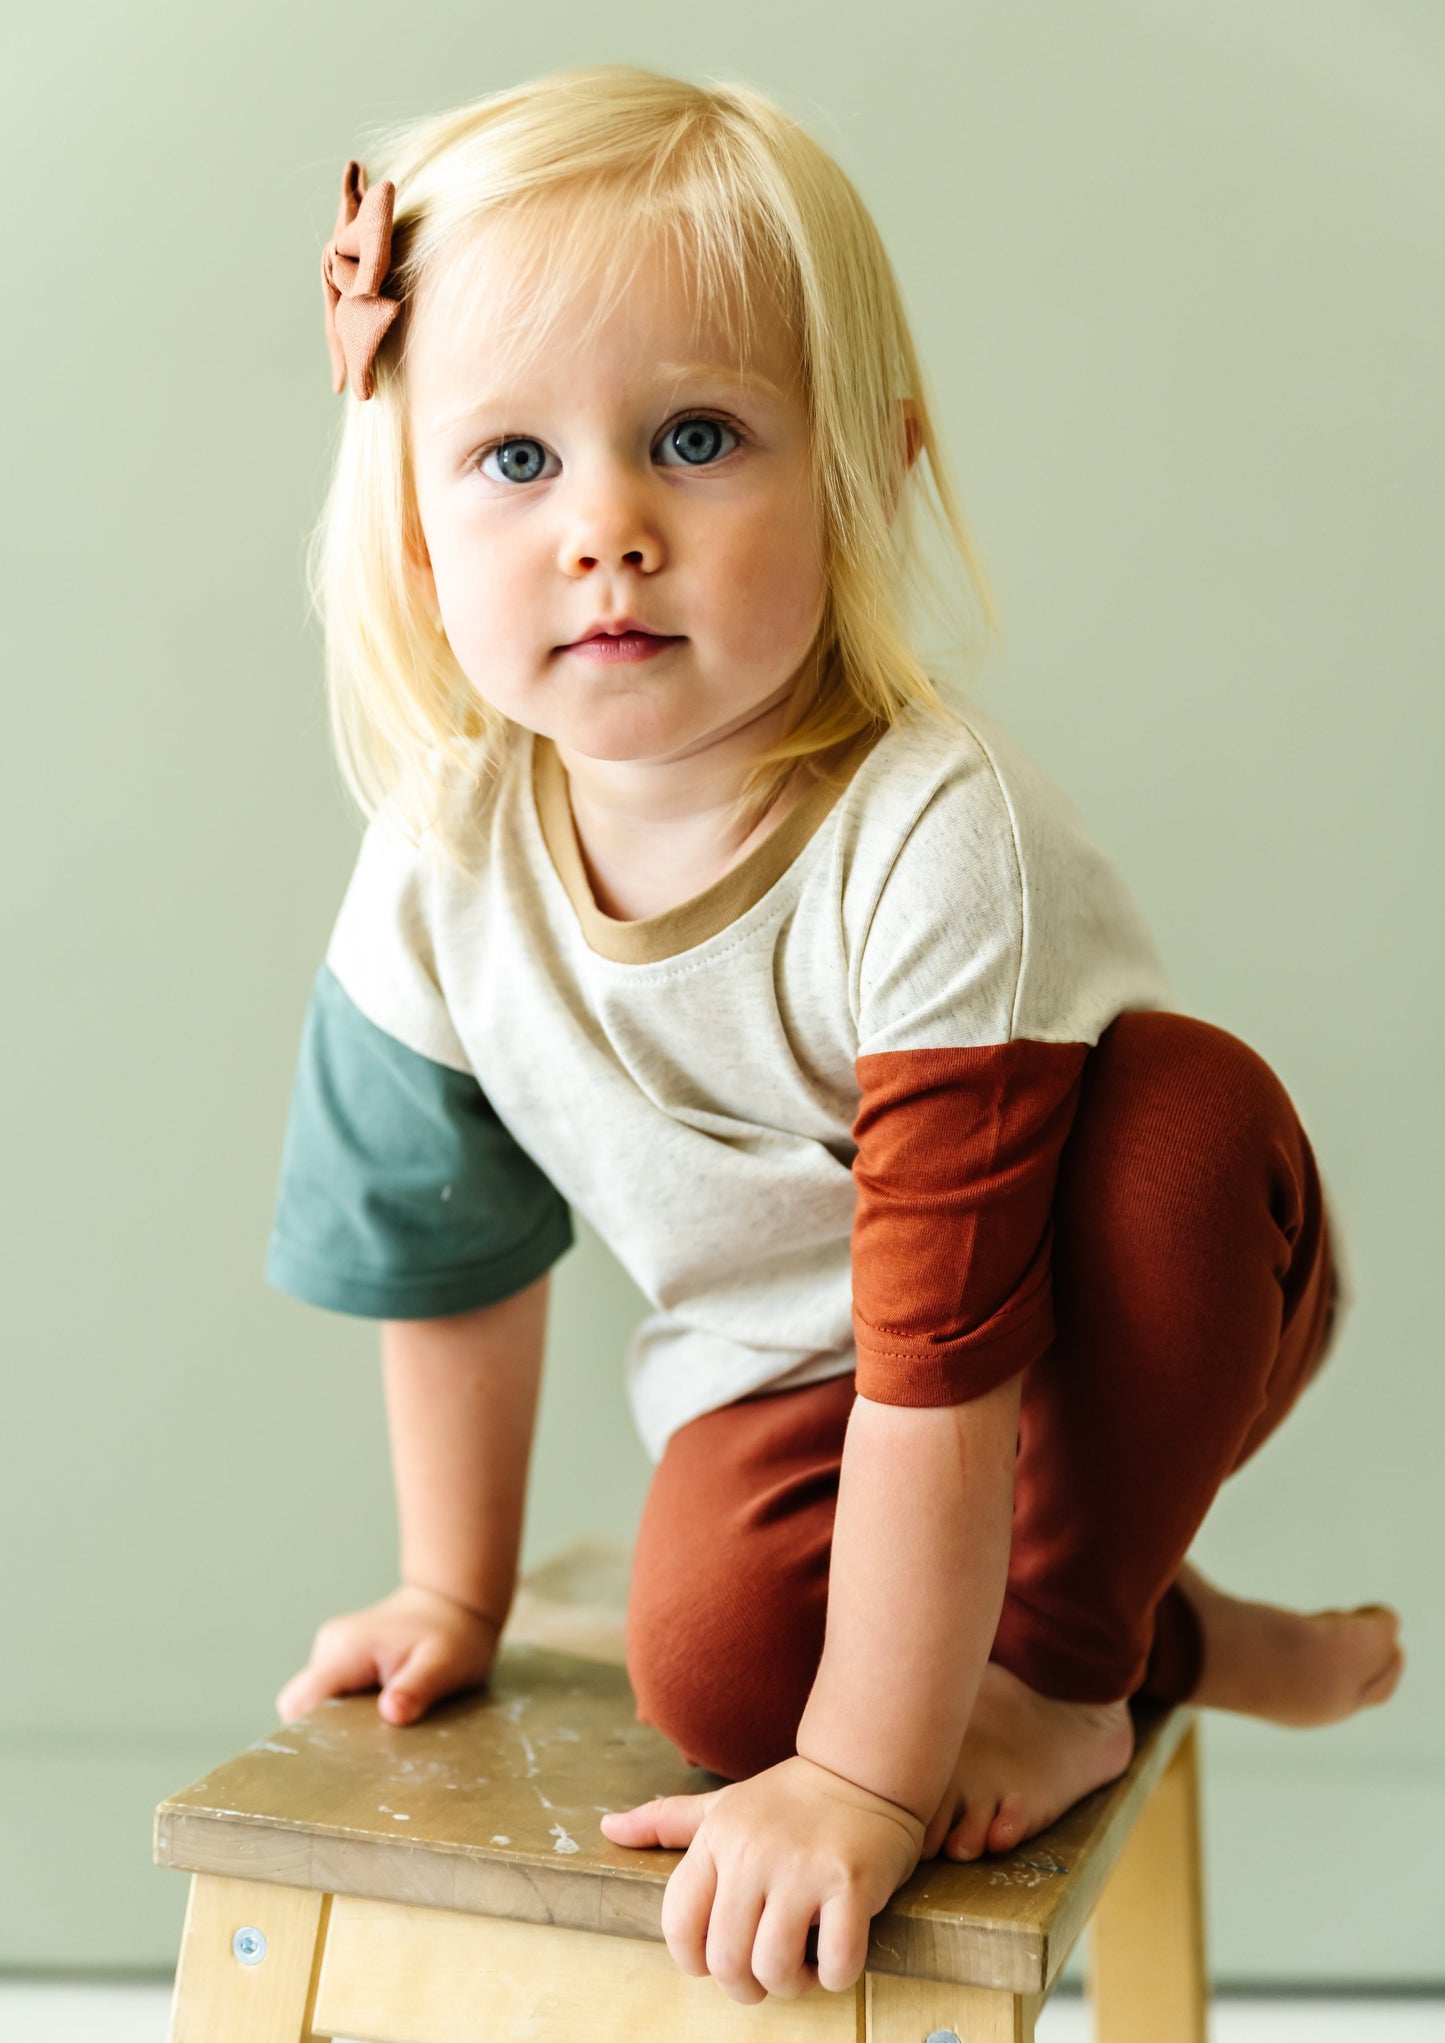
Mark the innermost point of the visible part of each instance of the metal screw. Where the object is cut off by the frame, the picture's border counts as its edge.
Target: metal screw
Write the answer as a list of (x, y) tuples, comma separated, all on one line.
[(942, 2036), (249, 1945)]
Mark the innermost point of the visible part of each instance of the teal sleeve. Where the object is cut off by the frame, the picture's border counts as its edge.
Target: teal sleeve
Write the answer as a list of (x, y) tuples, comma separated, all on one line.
[(401, 1194)]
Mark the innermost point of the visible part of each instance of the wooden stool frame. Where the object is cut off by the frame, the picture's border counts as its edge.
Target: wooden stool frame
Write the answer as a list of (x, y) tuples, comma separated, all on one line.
[(320, 1907)]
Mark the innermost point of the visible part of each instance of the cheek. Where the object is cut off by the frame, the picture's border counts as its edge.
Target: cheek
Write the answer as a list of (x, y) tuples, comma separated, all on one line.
[(768, 581), (477, 588)]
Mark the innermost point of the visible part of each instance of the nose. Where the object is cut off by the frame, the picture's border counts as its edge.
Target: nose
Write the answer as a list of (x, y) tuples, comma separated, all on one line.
[(612, 524)]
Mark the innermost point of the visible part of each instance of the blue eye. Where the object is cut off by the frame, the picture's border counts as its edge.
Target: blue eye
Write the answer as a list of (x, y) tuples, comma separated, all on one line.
[(692, 443), (696, 441), (518, 461)]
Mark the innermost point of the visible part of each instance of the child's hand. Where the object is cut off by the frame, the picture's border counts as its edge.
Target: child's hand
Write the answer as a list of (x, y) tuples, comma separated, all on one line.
[(416, 1644), (767, 1858)]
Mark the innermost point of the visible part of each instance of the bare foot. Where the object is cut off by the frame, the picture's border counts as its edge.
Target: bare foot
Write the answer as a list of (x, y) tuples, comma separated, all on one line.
[(1292, 1666), (1025, 1758)]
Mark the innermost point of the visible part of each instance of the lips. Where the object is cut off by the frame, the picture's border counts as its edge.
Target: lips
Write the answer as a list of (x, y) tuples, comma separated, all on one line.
[(617, 637), (608, 648), (620, 628)]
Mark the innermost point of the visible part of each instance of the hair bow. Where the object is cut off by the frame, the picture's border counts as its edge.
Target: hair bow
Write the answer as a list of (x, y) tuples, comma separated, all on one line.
[(353, 268)]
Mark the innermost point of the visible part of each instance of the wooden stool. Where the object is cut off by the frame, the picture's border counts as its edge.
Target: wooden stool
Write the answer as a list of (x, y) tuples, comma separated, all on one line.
[(448, 1883)]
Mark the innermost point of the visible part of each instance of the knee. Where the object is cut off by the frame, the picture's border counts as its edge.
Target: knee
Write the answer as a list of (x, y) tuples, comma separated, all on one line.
[(1188, 1113), (723, 1670)]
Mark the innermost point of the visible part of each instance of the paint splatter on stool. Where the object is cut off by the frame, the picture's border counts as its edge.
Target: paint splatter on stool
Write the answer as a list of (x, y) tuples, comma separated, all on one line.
[(428, 1879)]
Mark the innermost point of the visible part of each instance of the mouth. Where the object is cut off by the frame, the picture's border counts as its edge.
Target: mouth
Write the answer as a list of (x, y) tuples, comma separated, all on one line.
[(621, 628), (623, 640)]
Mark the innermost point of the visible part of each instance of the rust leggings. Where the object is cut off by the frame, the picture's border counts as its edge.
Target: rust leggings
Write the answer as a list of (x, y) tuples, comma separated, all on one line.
[(1194, 1296)]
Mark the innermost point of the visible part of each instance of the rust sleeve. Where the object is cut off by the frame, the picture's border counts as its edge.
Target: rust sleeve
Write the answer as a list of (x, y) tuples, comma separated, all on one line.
[(957, 1154)]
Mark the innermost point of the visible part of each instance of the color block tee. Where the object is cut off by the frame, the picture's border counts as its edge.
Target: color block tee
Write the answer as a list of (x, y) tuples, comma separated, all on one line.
[(815, 1111)]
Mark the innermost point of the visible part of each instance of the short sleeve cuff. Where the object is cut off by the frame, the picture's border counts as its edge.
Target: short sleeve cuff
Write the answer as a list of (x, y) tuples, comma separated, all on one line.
[(891, 1372), (425, 1294)]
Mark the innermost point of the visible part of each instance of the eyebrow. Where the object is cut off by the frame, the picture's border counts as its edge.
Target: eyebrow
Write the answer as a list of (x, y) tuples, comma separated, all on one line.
[(719, 372), (679, 372)]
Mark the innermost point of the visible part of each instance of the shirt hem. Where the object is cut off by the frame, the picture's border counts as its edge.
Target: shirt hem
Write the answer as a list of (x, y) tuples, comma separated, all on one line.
[(415, 1297)]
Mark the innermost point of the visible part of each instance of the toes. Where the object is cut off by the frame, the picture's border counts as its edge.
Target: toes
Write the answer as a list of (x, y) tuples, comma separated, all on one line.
[(969, 1835), (1383, 1620), (1383, 1685), (997, 1823), (1372, 1628), (1007, 1827)]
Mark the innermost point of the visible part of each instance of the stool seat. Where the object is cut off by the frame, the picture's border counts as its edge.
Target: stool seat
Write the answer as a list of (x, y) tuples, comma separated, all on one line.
[(449, 1879)]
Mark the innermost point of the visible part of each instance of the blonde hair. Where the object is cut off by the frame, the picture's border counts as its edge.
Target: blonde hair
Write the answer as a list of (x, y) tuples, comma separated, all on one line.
[(574, 163)]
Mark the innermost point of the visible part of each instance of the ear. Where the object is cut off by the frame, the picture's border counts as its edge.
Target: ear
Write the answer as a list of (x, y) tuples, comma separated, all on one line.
[(912, 441), (419, 571)]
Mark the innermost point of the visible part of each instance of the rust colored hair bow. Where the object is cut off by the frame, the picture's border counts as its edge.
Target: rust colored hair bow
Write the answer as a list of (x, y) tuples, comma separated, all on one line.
[(353, 268)]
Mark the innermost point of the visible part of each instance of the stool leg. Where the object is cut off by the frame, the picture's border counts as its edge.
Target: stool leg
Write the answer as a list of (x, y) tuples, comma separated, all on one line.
[(932, 2011), (222, 1998), (1147, 1979)]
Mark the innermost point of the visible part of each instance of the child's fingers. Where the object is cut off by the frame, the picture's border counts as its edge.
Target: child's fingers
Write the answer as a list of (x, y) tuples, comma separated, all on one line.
[(427, 1673), (780, 1947), (842, 1942), (315, 1683), (340, 1665), (669, 1820), (630, 1827), (288, 1705), (732, 1932), (687, 1902)]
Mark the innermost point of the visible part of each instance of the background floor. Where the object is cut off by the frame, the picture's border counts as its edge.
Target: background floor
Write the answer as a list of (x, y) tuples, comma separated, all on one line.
[(40, 2012)]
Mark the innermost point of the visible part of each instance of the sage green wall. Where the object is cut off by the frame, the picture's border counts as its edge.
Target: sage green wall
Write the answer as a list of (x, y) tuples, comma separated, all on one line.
[(1177, 274)]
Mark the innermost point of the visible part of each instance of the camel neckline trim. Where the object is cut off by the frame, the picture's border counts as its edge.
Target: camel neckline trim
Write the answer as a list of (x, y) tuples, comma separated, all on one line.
[(650, 938)]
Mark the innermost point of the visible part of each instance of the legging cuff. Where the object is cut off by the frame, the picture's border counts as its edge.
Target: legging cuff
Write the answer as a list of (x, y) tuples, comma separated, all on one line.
[(1067, 1672), (1062, 1669), (1176, 1658)]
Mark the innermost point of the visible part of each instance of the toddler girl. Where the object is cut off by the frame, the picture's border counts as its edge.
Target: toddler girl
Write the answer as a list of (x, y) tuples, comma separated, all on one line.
[(688, 900)]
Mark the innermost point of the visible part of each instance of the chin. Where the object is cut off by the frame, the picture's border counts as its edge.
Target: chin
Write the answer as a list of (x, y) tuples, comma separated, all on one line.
[(619, 731), (621, 747)]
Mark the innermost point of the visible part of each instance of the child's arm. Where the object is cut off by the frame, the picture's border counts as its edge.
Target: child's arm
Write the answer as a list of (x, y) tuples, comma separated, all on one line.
[(461, 1395), (915, 1587), (461, 1400), (916, 1582)]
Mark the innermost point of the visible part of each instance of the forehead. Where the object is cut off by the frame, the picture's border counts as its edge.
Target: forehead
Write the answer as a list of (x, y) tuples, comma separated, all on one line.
[(553, 299)]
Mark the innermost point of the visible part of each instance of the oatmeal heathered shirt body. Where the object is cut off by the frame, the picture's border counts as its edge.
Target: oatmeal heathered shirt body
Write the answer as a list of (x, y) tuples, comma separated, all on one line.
[(815, 1111)]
